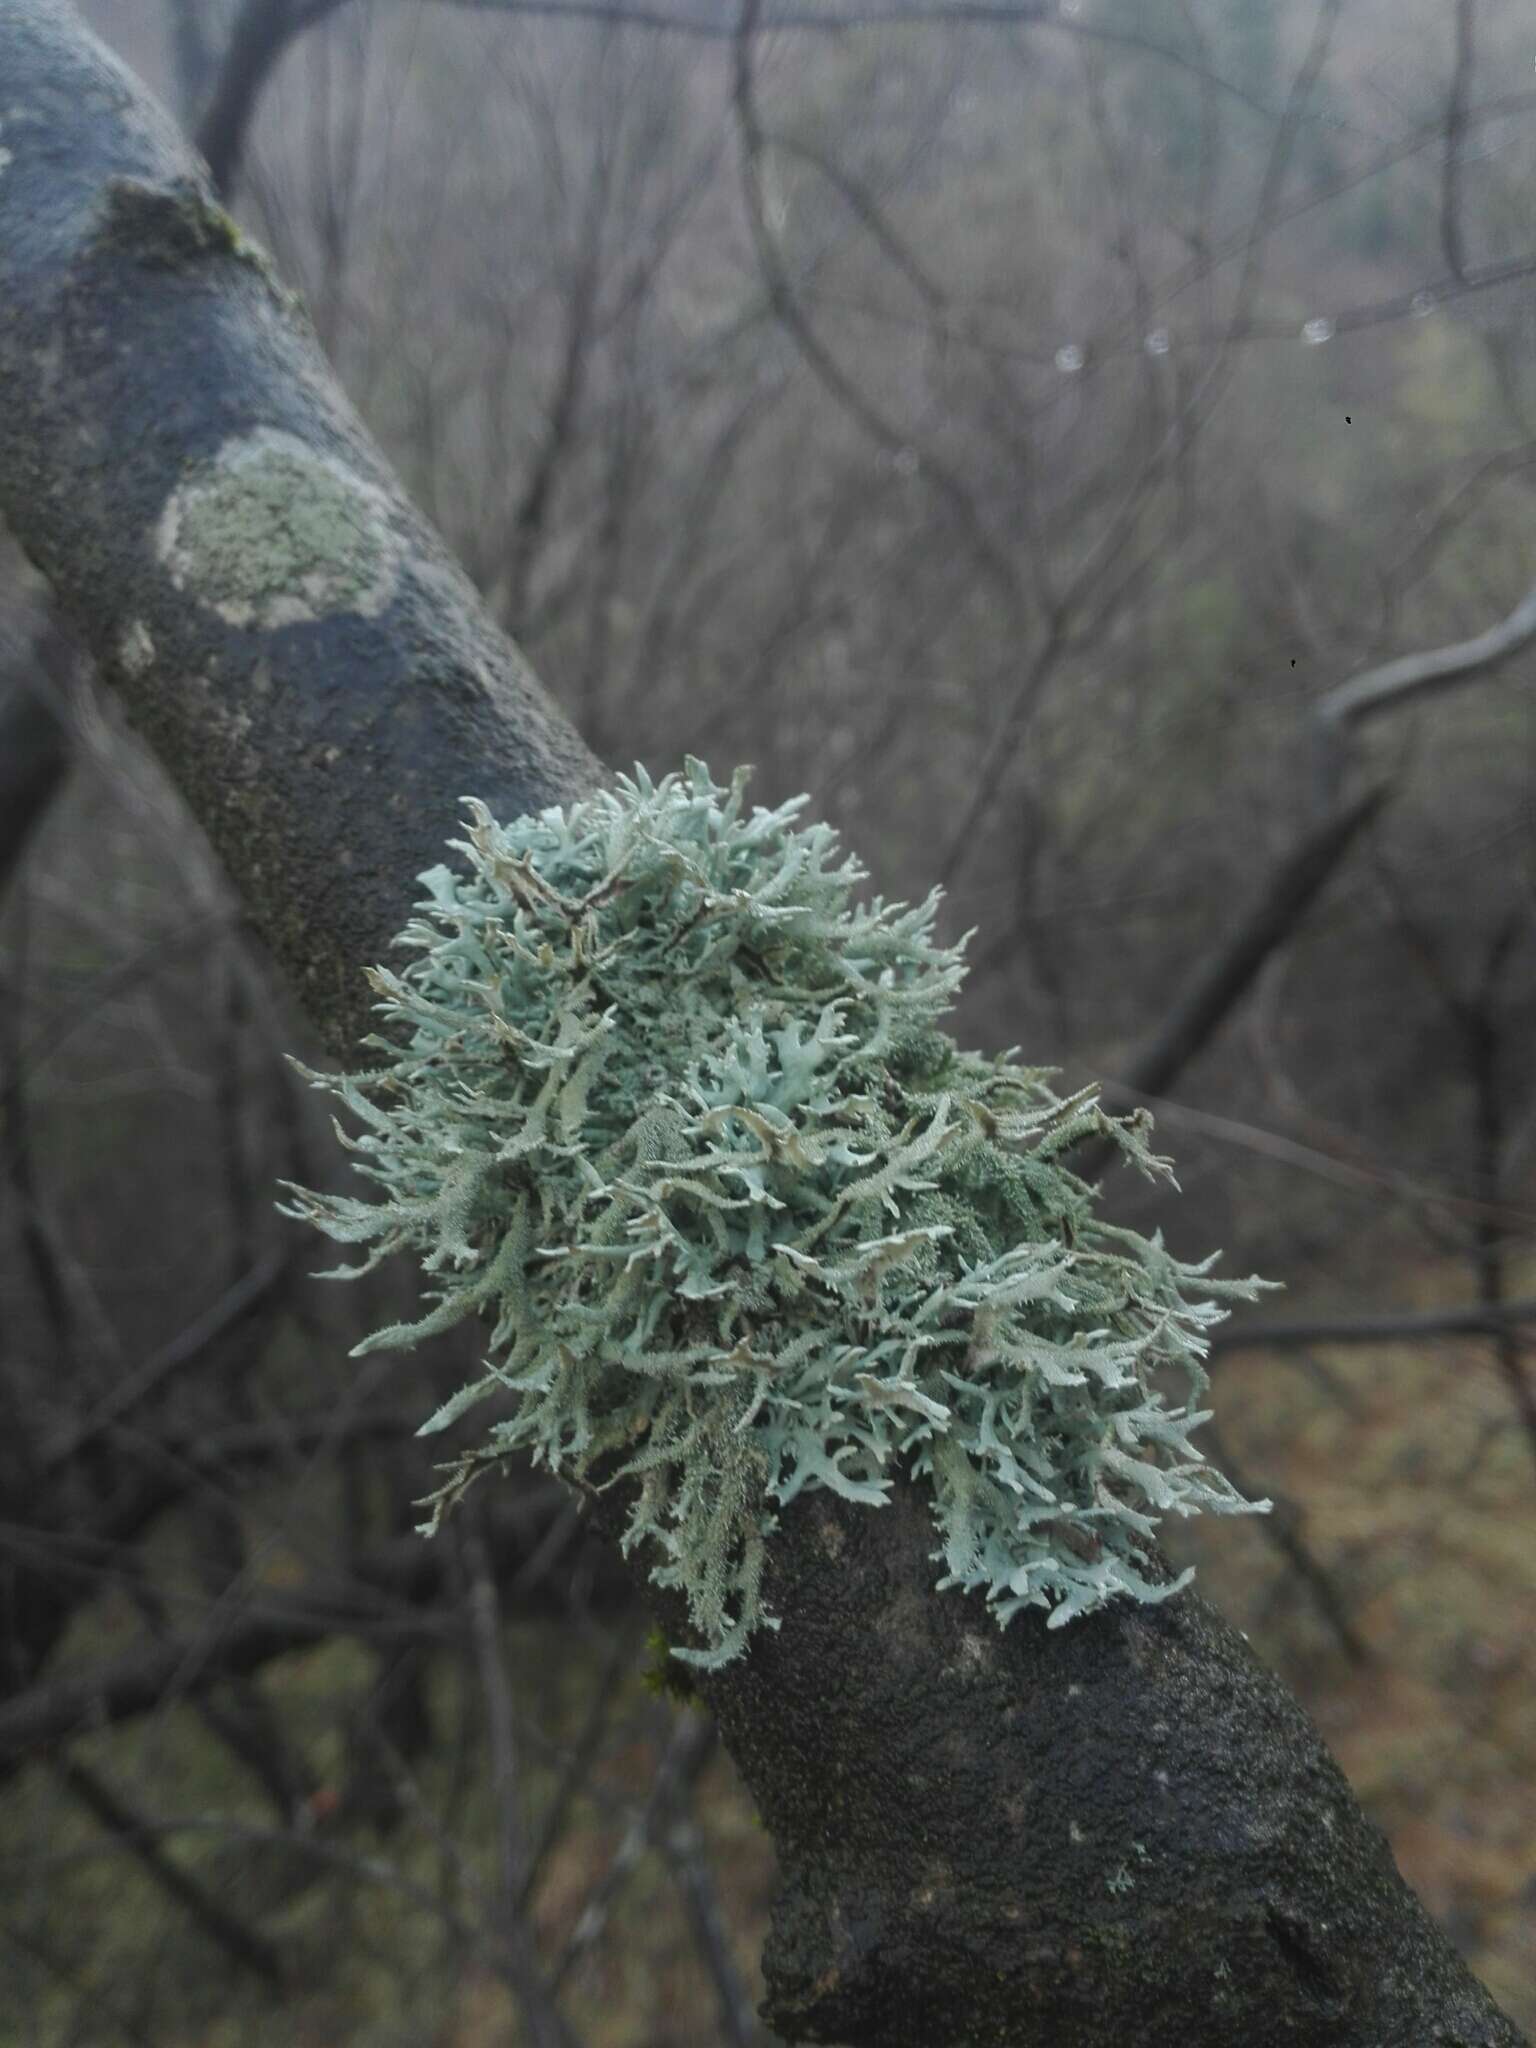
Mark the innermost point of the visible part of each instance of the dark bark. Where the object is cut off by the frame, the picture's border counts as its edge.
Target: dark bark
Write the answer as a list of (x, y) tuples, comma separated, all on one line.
[(288, 634), (1122, 1832), (34, 747)]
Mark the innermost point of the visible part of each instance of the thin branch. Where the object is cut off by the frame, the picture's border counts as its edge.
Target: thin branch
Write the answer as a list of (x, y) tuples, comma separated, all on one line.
[(245, 1947), (394, 1595), (262, 33), (1218, 986), (1283, 1529), (534, 1993), (689, 1748), (682, 1846), (1478, 1320), (1452, 240), (1394, 682), (234, 1307), (848, 391)]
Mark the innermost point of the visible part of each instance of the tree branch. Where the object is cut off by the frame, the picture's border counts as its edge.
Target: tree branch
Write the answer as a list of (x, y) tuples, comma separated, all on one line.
[(1383, 688), (169, 431), (395, 1593), (1477, 1321), (1122, 1831), (262, 31)]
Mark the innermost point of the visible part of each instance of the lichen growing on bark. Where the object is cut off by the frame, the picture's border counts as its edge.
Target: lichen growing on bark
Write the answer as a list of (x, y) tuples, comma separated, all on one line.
[(273, 533), (671, 1110)]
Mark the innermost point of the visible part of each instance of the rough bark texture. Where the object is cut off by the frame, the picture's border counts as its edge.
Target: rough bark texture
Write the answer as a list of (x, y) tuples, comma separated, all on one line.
[(1121, 1832), (1124, 1831)]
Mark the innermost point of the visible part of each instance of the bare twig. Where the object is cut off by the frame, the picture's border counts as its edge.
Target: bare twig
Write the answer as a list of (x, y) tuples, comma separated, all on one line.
[(534, 1992), (689, 1748), (1393, 682), (1452, 241), (1283, 1528), (243, 1944), (1389, 1327)]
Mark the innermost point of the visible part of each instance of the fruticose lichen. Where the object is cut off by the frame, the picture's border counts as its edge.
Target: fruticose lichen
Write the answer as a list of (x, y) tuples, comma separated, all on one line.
[(670, 1109)]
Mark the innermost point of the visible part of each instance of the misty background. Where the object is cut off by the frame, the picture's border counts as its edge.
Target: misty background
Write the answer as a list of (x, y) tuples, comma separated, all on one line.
[(1017, 428)]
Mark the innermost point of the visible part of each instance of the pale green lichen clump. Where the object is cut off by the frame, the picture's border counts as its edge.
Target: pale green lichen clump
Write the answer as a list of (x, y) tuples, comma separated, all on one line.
[(670, 1109)]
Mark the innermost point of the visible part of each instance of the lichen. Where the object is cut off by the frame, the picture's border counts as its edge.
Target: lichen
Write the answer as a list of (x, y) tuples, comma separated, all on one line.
[(271, 533), (668, 1107)]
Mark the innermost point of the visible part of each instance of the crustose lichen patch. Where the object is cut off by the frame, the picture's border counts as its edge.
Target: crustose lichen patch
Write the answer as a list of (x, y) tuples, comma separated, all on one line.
[(272, 533)]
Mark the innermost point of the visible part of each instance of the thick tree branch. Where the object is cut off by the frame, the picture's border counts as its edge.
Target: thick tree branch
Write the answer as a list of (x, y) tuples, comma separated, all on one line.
[(1121, 1832), (299, 648)]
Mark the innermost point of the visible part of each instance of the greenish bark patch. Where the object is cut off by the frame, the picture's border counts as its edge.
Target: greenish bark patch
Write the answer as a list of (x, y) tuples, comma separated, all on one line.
[(175, 224), (273, 533)]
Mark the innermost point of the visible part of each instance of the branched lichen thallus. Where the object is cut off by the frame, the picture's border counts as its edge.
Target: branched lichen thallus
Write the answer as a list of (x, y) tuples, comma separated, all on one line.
[(670, 1109)]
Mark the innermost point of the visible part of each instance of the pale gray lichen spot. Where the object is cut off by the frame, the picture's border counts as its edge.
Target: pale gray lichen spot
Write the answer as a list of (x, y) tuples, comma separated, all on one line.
[(273, 533), (975, 1657), (136, 649)]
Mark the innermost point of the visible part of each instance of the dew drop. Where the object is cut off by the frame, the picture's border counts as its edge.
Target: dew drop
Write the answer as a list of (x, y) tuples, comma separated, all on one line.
[(1317, 331), (1158, 342), (905, 462), (1069, 357), (1421, 305)]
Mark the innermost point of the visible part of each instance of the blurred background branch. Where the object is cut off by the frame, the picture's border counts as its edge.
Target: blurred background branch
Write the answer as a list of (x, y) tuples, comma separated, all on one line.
[(1025, 428)]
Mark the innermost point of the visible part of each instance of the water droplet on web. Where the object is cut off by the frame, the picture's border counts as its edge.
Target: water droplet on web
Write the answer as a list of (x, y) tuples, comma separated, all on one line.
[(1421, 305), (1317, 331), (905, 462), (1069, 357), (1158, 342)]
